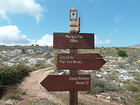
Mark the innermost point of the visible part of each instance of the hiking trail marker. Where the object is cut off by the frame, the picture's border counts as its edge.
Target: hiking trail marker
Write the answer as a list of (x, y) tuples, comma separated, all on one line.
[(73, 40), (80, 61), (73, 61), (66, 82)]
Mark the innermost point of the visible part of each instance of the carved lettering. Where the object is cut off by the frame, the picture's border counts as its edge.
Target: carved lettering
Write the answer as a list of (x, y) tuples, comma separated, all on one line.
[(66, 57), (74, 36), (79, 83), (73, 78)]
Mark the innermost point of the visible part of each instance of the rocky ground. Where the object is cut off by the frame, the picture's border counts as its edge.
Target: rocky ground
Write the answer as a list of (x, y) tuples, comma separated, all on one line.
[(33, 56), (118, 80)]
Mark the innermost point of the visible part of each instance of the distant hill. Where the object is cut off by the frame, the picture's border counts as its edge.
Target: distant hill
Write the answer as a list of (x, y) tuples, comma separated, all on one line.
[(135, 46)]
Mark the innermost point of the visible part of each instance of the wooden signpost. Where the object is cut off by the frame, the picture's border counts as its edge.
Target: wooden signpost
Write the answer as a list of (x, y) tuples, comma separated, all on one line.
[(66, 82), (80, 61), (73, 61), (73, 40)]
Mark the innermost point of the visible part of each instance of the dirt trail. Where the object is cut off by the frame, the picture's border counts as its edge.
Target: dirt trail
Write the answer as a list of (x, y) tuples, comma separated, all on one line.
[(34, 90), (96, 101)]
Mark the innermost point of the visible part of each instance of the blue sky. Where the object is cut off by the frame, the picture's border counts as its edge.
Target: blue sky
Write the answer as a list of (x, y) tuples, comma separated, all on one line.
[(25, 22)]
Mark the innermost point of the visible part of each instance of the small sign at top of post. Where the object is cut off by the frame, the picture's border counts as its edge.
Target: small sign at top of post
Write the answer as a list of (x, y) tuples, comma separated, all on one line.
[(74, 21)]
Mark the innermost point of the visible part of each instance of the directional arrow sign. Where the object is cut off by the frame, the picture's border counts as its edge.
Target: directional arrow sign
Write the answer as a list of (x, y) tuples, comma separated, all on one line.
[(80, 61), (73, 40), (66, 83)]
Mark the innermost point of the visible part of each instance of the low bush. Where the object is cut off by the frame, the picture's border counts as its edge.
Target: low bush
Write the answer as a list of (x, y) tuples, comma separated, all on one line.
[(23, 51), (39, 65), (12, 75), (99, 89), (13, 96), (2, 89), (41, 102), (130, 99), (111, 87), (55, 57), (47, 56), (132, 86), (24, 70), (16, 94), (122, 53), (99, 86)]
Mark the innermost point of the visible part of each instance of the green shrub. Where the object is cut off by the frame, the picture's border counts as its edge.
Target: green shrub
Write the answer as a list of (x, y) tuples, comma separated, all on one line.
[(122, 53), (13, 75), (97, 85), (24, 70), (130, 99), (99, 89), (2, 89), (13, 96), (23, 51), (111, 87), (55, 57), (137, 76), (39, 65), (41, 102), (131, 86), (16, 94), (47, 56), (9, 77), (113, 77)]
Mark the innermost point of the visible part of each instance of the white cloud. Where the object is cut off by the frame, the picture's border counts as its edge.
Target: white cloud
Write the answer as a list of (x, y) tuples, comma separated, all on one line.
[(48, 40), (45, 40), (3, 16), (20, 6), (11, 35), (98, 41)]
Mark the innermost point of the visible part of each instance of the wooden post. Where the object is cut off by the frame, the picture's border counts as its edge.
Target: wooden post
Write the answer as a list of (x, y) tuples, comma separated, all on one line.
[(73, 100), (73, 97), (73, 94)]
